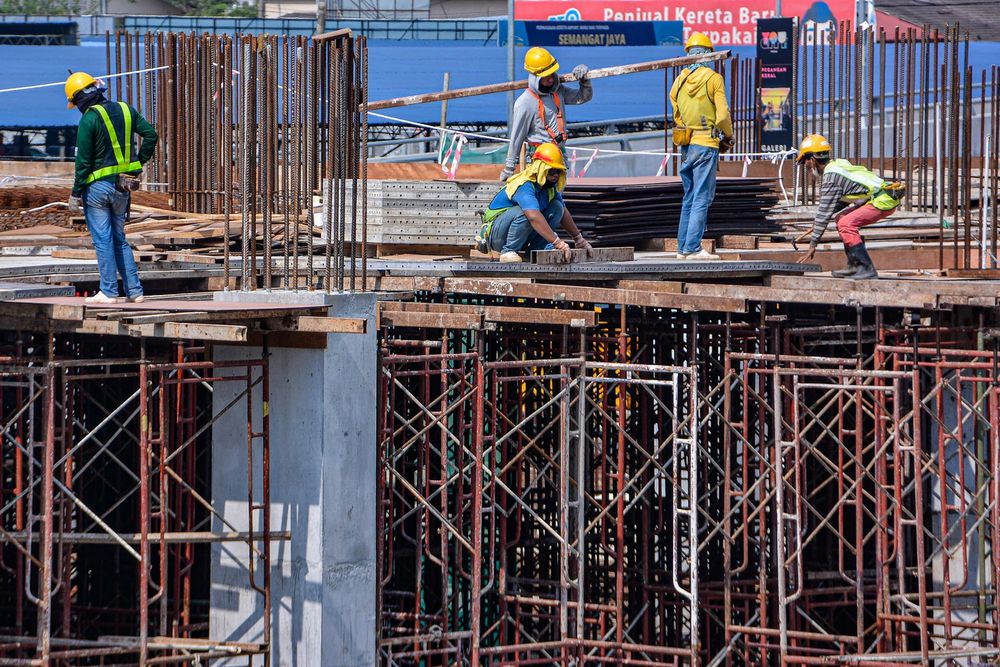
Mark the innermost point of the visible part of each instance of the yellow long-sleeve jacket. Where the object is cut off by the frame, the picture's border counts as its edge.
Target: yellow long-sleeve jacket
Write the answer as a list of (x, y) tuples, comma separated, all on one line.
[(699, 100)]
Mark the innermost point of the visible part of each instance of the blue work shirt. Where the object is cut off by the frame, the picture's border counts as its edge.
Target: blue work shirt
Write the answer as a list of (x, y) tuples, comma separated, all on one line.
[(530, 197)]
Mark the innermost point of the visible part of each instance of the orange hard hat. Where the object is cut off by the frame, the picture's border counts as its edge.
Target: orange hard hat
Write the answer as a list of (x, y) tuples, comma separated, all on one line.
[(550, 154)]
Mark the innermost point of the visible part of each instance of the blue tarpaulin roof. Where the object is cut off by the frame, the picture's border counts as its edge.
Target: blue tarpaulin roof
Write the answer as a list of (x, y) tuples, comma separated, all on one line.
[(395, 69)]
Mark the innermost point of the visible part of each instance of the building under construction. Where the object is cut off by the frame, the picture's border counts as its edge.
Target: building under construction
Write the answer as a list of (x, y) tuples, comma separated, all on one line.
[(331, 437)]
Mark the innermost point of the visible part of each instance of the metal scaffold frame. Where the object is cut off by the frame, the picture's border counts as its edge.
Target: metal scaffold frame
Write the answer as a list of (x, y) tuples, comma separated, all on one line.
[(669, 488), (105, 512)]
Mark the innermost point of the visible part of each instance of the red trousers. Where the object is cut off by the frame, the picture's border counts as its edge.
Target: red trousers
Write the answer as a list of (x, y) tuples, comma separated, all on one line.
[(849, 223)]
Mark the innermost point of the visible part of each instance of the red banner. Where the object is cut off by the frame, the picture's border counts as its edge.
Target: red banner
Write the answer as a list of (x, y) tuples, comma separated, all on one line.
[(726, 22)]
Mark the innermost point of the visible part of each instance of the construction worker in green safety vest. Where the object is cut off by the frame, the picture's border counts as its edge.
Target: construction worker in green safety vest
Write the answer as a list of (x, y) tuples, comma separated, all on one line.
[(855, 196), (107, 171)]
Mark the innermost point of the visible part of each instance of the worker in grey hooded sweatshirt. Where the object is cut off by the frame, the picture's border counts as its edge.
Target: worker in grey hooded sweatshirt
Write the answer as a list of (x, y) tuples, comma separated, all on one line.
[(539, 115)]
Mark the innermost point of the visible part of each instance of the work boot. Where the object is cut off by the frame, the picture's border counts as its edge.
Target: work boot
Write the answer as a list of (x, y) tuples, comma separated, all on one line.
[(866, 270), (510, 257), (852, 265)]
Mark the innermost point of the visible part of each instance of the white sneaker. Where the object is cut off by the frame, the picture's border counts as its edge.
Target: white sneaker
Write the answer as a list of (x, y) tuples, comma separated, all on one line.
[(136, 299), (510, 257), (683, 255), (102, 298), (702, 255)]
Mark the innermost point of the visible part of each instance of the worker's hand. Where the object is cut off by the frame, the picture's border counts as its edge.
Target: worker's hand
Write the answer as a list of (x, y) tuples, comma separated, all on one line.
[(581, 243), (726, 144), (505, 174), (580, 72), (562, 246), (74, 204), (808, 257)]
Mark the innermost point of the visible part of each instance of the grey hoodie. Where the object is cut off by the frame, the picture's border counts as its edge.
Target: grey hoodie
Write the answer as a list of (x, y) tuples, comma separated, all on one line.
[(527, 126)]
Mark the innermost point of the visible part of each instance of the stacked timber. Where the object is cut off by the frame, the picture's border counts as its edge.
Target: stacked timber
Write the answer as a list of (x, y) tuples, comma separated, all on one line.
[(613, 211)]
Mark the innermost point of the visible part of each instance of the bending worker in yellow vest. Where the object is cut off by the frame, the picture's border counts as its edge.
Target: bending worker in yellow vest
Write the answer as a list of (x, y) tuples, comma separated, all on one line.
[(539, 116), (529, 209), (855, 194), (701, 119), (107, 170)]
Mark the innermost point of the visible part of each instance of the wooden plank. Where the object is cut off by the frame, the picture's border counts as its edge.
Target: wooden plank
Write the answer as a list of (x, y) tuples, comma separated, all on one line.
[(200, 331), (992, 274), (349, 325), (923, 286), (399, 318), (52, 311), (622, 254), (806, 295), (652, 298), (523, 315), (206, 315), (670, 245), (738, 241), (665, 286)]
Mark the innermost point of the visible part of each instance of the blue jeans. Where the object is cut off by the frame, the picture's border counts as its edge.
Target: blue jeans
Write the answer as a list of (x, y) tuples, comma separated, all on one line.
[(104, 208), (512, 232), (698, 167)]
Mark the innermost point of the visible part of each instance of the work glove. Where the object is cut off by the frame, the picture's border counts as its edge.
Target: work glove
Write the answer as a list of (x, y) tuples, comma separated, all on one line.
[(580, 72), (581, 243), (563, 247), (505, 174), (74, 204)]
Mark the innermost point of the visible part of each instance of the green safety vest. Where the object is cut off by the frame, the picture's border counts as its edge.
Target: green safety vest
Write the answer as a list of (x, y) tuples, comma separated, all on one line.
[(116, 161), (878, 197)]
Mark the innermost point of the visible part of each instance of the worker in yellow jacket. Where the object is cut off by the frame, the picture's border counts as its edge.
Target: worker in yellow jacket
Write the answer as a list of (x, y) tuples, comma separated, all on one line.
[(701, 125)]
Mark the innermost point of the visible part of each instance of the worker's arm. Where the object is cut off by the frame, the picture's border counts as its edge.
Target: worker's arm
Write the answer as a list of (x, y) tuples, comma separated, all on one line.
[(723, 121), (85, 161), (584, 93), (541, 227), (520, 125), (148, 134)]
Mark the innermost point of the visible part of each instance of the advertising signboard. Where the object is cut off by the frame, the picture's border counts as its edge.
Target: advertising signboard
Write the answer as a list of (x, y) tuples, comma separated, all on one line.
[(587, 33), (775, 49), (726, 22)]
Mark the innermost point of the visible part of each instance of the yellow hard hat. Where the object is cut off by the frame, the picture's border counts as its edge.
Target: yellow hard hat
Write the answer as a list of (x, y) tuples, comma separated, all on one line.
[(699, 39), (75, 83), (550, 154), (811, 145), (540, 62)]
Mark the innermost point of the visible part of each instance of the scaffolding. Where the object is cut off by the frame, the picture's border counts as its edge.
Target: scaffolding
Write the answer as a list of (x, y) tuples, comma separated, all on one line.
[(106, 518), (788, 486)]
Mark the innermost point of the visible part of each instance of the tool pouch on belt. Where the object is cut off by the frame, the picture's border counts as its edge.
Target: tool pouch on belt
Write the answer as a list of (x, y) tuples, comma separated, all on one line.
[(483, 237), (682, 136), (889, 196), (127, 183)]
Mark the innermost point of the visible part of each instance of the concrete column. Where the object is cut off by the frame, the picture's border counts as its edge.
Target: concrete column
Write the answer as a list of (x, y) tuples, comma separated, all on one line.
[(323, 477)]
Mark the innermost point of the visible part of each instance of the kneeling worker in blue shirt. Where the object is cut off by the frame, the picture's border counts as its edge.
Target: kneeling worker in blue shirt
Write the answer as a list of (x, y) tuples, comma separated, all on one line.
[(529, 209)]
